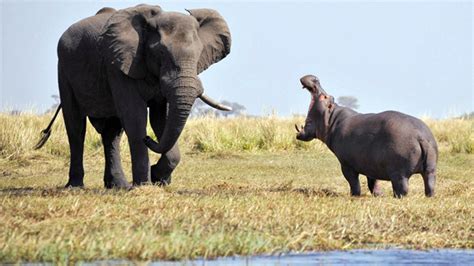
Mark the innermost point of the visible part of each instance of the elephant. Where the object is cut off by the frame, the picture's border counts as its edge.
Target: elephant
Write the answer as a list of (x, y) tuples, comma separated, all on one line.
[(384, 146), (120, 67)]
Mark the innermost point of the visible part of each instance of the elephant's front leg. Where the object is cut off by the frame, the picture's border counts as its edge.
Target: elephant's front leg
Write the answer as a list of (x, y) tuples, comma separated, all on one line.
[(135, 128), (161, 171), (132, 110)]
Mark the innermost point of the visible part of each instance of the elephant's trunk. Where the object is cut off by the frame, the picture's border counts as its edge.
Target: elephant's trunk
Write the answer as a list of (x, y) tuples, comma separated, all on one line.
[(181, 99)]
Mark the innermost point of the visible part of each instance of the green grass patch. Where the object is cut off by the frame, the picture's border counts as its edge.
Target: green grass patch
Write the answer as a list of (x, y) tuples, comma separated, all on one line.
[(250, 191)]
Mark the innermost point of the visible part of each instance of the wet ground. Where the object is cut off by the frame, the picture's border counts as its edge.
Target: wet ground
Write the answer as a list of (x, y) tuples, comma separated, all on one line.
[(354, 257)]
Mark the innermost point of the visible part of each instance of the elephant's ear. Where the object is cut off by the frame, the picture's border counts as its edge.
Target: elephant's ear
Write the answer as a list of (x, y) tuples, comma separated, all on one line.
[(215, 36), (105, 10), (123, 38)]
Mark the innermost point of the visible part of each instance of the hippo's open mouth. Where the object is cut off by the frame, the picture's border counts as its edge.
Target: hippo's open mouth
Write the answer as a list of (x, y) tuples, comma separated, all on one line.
[(311, 83)]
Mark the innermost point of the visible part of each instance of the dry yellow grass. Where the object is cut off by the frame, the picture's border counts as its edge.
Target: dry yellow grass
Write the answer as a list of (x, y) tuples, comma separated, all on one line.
[(244, 186)]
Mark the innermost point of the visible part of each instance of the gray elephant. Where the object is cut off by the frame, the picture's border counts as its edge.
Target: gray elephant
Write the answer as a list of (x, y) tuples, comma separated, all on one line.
[(384, 146), (115, 65)]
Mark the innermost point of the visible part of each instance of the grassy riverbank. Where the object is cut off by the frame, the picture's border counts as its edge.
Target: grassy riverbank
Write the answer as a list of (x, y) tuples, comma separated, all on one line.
[(244, 186)]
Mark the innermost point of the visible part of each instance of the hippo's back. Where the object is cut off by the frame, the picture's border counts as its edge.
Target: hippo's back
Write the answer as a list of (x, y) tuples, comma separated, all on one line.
[(401, 126), (379, 144)]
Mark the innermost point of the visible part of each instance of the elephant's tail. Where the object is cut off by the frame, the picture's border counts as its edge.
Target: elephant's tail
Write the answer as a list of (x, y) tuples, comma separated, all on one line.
[(47, 131)]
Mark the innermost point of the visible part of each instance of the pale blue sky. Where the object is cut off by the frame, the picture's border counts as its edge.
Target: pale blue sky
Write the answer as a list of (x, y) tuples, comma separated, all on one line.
[(415, 57)]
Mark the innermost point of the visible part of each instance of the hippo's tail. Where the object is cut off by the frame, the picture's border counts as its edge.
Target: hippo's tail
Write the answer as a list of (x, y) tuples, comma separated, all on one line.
[(47, 131)]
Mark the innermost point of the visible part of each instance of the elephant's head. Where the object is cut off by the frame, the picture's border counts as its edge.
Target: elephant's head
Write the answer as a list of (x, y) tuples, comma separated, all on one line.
[(320, 109), (169, 49)]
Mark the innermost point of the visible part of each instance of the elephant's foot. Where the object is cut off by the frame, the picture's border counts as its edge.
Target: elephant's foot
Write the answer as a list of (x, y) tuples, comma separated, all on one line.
[(159, 178), (72, 184), (117, 183)]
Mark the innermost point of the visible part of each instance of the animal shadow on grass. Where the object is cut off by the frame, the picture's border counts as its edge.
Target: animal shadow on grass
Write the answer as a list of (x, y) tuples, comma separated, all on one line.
[(220, 189), (242, 190), (53, 192)]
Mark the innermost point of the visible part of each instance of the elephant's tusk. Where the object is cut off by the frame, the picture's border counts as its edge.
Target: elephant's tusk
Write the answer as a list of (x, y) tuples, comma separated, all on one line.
[(214, 104)]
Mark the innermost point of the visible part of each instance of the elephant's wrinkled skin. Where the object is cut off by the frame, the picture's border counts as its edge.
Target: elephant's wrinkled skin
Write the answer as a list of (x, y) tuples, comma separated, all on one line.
[(384, 146), (115, 65)]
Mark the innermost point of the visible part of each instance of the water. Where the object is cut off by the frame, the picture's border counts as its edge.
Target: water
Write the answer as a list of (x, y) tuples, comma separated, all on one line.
[(354, 257)]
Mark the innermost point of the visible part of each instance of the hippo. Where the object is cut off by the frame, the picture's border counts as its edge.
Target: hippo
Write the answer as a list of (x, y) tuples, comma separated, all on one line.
[(384, 146)]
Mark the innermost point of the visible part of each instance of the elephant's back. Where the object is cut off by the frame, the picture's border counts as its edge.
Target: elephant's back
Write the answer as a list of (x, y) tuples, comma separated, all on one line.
[(80, 64), (82, 36)]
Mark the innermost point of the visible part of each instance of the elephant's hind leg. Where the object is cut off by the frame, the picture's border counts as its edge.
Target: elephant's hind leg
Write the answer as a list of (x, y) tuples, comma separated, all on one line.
[(76, 131), (113, 173), (75, 124)]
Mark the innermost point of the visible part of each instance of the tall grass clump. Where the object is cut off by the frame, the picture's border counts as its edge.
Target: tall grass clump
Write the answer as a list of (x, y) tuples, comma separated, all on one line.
[(210, 134), (19, 133), (454, 135), (272, 133)]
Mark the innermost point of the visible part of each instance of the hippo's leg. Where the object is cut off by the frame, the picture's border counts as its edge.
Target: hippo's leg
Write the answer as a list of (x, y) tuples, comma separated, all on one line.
[(374, 186), (399, 185), (353, 178), (429, 179)]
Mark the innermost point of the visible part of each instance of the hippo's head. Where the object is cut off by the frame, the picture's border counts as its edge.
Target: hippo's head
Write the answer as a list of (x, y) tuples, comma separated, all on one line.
[(320, 108)]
